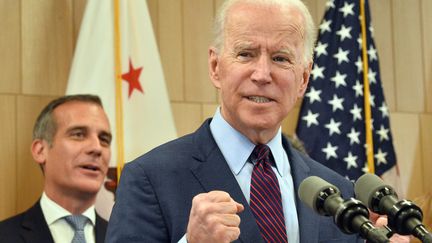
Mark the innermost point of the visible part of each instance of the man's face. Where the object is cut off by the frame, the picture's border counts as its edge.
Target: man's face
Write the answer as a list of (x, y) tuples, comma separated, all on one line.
[(260, 70), (76, 162)]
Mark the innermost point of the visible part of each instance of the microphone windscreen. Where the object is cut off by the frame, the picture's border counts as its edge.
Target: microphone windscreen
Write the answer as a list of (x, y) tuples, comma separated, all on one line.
[(310, 189), (366, 186)]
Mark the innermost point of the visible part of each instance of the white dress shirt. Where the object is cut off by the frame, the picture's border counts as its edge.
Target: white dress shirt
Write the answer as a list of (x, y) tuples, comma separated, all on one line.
[(61, 231)]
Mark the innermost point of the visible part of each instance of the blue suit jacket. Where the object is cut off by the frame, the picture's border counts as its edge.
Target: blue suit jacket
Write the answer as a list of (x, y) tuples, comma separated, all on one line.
[(155, 194), (31, 227)]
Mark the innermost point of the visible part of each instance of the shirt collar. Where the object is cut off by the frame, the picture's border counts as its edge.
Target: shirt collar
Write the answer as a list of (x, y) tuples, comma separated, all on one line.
[(236, 148), (53, 212), (275, 145)]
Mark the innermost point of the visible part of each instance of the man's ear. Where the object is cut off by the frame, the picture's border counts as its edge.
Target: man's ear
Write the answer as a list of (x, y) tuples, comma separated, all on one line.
[(305, 79), (39, 148), (213, 65)]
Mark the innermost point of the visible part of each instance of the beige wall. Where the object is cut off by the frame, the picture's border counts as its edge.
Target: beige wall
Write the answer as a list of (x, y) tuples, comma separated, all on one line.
[(38, 39)]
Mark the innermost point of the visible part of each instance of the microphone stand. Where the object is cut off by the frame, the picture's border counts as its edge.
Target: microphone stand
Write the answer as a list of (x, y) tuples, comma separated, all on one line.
[(351, 216)]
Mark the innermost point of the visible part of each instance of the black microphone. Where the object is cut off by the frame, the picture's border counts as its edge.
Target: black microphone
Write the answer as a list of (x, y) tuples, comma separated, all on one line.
[(404, 217), (351, 216)]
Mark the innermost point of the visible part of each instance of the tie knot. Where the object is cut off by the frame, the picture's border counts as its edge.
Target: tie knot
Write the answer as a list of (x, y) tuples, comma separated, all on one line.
[(261, 153), (76, 221)]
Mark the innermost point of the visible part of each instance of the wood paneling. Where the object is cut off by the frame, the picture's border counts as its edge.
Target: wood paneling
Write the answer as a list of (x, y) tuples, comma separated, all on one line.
[(407, 139), (208, 111), (320, 10), (29, 176), (78, 14), (197, 25), (47, 44), (408, 52), (187, 117), (171, 47), (426, 136), (382, 24), (427, 51), (10, 40), (8, 153), (311, 5)]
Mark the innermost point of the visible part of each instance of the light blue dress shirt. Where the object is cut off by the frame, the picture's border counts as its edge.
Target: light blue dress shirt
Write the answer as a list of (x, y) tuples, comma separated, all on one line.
[(236, 149)]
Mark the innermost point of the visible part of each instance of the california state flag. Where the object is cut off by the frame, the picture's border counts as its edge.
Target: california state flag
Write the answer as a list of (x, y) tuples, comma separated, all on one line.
[(117, 58)]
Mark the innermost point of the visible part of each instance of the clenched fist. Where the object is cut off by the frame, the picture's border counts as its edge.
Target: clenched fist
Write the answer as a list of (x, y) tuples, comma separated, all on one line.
[(213, 218)]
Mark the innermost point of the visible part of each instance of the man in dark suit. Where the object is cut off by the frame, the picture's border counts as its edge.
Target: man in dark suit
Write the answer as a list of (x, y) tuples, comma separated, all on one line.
[(205, 187), (71, 143)]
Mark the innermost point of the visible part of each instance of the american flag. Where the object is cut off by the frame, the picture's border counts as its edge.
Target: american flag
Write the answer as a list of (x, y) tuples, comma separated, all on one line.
[(332, 116)]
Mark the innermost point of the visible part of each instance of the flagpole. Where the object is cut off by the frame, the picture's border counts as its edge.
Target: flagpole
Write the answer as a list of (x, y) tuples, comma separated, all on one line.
[(118, 90), (368, 118)]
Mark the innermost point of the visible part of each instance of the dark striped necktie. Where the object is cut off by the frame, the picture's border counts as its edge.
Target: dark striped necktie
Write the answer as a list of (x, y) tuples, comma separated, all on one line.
[(265, 197)]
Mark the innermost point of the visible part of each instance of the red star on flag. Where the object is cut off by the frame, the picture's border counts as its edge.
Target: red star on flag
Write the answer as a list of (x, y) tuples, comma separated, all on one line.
[(132, 77)]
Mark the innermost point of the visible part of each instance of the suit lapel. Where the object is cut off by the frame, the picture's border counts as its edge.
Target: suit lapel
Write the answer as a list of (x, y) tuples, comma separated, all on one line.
[(34, 227), (309, 228), (214, 173), (100, 229)]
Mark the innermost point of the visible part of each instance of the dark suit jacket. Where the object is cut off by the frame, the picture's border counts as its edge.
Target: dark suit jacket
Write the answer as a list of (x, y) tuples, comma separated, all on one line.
[(31, 227), (155, 194)]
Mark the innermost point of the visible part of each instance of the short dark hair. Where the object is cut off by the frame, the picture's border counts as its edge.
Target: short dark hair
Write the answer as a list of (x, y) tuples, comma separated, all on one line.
[(46, 126)]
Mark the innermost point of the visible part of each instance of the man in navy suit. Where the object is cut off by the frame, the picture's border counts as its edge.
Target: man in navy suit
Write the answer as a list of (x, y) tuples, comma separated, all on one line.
[(71, 143), (197, 188)]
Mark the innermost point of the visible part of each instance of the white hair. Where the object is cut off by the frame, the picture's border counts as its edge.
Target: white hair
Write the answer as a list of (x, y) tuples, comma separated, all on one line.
[(219, 22)]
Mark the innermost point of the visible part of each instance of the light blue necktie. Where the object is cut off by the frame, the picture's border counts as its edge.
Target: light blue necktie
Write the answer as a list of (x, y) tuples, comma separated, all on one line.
[(77, 222)]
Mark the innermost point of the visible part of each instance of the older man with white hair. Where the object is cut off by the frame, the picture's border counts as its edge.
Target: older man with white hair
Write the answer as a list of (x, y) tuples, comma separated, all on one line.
[(236, 177)]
